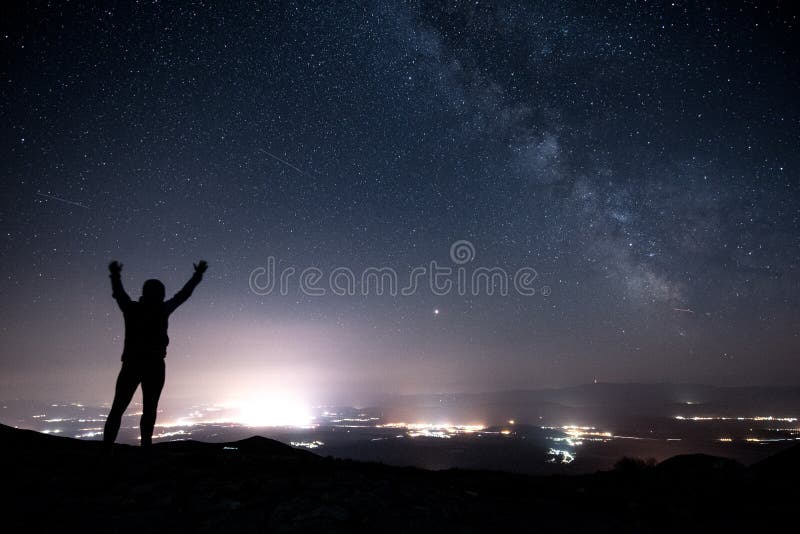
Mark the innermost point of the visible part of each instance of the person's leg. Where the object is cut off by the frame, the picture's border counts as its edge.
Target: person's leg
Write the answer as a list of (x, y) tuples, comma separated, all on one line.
[(127, 382), (152, 384)]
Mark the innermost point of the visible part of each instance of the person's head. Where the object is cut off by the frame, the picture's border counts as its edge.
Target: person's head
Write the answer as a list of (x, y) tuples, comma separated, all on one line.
[(153, 291)]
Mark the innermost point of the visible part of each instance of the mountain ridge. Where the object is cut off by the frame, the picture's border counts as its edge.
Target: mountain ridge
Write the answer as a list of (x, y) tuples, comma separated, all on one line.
[(257, 483)]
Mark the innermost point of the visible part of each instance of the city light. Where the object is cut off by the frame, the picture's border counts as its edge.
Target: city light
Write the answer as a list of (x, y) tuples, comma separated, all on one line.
[(307, 444), (429, 430)]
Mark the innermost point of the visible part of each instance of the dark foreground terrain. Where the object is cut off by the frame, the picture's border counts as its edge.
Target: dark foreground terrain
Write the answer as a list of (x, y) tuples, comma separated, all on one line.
[(257, 485)]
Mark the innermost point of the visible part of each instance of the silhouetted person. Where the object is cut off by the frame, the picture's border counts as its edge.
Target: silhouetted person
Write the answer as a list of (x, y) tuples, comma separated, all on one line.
[(145, 348)]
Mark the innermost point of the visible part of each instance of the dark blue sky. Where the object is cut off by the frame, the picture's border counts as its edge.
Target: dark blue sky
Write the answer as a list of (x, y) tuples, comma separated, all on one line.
[(640, 156)]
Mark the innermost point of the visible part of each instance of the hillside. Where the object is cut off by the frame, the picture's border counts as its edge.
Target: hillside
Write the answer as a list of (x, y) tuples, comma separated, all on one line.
[(259, 484)]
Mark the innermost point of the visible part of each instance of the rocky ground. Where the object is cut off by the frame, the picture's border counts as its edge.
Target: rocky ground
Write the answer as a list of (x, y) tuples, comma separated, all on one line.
[(259, 485)]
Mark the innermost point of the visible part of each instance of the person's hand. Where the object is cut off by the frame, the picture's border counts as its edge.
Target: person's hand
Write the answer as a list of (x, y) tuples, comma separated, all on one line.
[(115, 267), (201, 266)]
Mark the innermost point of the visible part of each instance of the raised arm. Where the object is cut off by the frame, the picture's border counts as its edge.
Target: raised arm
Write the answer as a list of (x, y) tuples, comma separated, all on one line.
[(186, 292), (117, 291)]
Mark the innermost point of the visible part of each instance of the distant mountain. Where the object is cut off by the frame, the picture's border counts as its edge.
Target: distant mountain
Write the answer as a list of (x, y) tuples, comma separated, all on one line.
[(258, 484), (596, 401)]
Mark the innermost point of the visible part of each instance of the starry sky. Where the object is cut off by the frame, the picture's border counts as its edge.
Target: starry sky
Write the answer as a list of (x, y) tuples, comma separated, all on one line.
[(642, 157)]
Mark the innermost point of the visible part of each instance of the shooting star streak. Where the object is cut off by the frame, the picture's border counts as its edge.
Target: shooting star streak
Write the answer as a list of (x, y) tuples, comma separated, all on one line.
[(684, 310), (276, 158), (64, 200)]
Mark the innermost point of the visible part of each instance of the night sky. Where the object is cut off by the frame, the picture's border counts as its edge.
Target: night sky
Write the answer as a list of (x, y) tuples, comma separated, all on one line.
[(642, 157)]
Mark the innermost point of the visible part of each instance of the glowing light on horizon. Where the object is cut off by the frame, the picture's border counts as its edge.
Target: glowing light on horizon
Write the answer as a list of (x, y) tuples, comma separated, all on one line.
[(270, 410), (257, 411)]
